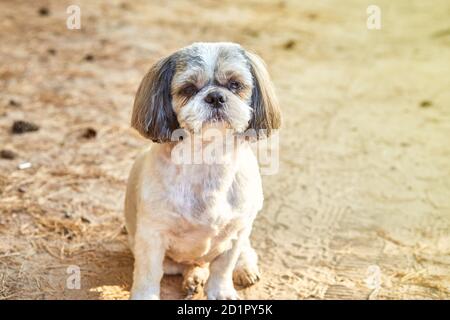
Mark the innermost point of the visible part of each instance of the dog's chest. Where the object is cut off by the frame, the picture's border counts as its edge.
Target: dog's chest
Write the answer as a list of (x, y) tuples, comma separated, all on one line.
[(210, 208), (206, 195)]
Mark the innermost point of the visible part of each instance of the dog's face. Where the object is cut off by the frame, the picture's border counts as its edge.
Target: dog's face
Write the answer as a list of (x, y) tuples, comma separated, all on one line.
[(202, 84), (212, 83)]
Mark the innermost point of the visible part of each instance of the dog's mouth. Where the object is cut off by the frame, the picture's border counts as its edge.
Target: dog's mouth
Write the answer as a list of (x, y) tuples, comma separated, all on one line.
[(218, 120), (217, 115)]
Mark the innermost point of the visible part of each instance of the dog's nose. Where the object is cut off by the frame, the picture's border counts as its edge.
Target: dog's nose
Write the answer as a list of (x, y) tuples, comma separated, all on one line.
[(215, 99)]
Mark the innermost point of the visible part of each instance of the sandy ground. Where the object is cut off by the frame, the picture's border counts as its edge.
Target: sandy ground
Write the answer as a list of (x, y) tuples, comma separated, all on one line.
[(363, 188)]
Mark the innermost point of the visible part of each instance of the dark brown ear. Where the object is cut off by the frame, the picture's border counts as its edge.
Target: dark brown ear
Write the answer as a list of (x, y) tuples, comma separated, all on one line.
[(266, 110), (153, 115)]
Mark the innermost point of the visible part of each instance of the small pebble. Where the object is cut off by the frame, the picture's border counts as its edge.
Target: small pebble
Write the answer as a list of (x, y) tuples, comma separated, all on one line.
[(89, 57), (43, 11), (89, 133), (20, 127), (426, 104), (404, 144), (85, 220), (14, 103), (7, 154), (67, 215), (289, 45), (24, 165), (65, 231)]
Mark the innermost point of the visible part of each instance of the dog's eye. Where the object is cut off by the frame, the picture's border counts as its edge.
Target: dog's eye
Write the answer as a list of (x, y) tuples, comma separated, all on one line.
[(189, 90), (234, 85)]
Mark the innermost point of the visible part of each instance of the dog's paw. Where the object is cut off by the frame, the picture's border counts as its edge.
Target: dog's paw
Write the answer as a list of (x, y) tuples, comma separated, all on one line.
[(143, 296), (194, 280), (246, 275), (222, 293)]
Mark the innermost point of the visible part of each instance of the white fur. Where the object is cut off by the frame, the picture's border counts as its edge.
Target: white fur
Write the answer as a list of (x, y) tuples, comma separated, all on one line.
[(193, 115), (191, 214), (190, 217)]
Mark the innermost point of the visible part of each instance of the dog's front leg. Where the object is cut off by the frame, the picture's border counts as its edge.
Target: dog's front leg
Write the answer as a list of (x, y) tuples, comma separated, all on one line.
[(149, 251), (220, 283)]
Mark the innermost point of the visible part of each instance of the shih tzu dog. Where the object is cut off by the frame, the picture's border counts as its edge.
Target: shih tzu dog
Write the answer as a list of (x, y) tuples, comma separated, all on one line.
[(195, 218)]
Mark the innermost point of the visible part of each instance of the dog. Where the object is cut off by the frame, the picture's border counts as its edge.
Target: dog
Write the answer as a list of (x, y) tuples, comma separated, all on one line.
[(195, 219)]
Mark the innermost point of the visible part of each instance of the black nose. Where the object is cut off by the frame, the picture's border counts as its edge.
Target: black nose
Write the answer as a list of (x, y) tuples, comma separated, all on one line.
[(215, 99)]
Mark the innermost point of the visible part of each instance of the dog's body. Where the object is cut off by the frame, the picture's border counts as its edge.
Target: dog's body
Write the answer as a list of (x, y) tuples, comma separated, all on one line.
[(188, 217), (199, 214)]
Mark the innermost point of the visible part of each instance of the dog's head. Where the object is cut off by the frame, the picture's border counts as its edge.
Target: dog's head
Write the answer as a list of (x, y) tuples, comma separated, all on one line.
[(203, 84)]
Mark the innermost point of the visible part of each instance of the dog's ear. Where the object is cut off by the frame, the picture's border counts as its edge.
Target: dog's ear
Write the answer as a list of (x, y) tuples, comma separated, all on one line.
[(153, 115), (266, 110)]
